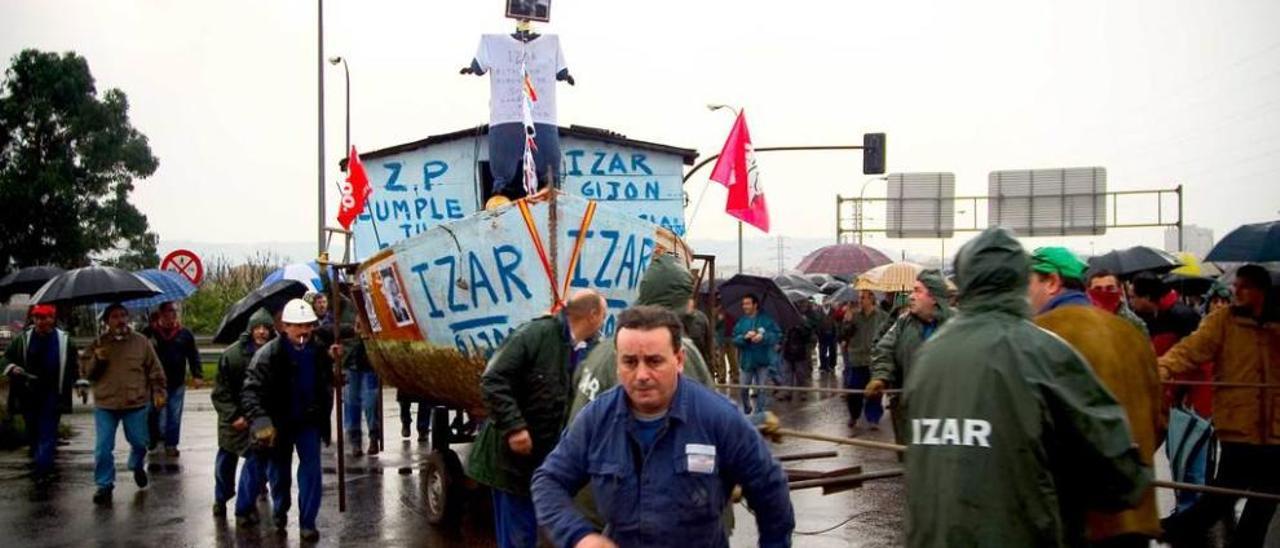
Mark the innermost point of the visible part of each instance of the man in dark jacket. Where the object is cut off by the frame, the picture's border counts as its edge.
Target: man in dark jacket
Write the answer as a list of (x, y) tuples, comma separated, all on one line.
[(894, 352), (41, 365), (176, 348), (860, 327), (1168, 319), (233, 425), (1012, 436), (526, 389), (698, 329), (827, 340), (287, 398)]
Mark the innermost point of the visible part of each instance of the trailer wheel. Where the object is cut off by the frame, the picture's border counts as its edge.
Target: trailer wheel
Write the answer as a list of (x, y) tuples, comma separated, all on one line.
[(444, 487)]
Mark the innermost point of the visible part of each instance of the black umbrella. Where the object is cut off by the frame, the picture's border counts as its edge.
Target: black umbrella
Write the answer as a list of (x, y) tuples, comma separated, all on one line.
[(27, 280), (1188, 285), (1126, 262), (94, 284), (795, 281), (830, 288), (772, 300), (846, 294), (819, 279), (1255, 243), (272, 296)]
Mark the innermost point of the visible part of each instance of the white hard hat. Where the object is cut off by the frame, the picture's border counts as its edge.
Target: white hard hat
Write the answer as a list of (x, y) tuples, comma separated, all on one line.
[(298, 311)]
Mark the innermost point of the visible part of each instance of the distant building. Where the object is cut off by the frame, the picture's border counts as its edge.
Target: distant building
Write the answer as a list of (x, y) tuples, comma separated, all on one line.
[(1196, 239)]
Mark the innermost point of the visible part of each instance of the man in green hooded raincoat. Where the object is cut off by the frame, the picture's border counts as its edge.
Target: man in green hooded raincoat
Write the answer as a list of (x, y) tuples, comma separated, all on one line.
[(1012, 436), (666, 283), (895, 351)]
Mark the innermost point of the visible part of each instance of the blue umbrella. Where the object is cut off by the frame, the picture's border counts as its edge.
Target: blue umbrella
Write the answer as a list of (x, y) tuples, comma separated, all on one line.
[(1255, 243), (307, 273), (172, 286)]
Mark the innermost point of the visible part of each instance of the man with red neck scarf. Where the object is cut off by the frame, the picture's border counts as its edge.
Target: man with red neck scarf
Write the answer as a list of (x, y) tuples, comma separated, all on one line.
[(1105, 292), (176, 348)]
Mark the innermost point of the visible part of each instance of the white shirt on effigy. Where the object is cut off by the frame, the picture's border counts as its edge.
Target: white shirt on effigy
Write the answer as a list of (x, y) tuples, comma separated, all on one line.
[(500, 56)]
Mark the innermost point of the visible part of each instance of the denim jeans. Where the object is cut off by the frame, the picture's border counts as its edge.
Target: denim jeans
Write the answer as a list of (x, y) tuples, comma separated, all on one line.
[(757, 376), (106, 422), (360, 395), (307, 444), (514, 521), (253, 478), (424, 415), (224, 475), (506, 156), (41, 420), (856, 378), (171, 416)]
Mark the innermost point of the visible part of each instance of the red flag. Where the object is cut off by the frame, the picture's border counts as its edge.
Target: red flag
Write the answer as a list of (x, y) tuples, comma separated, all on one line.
[(355, 191), (737, 170)]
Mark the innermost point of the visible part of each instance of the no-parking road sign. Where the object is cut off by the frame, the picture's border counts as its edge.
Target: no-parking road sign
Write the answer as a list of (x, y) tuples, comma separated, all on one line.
[(186, 263)]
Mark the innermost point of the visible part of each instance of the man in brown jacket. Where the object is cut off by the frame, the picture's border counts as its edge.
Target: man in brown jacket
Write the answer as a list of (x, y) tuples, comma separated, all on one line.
[(1123, 360), (126, 376), (1243, 341)]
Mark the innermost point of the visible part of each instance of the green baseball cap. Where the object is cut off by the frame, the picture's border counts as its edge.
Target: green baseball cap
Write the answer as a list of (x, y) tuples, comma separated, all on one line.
[(1058, 260)]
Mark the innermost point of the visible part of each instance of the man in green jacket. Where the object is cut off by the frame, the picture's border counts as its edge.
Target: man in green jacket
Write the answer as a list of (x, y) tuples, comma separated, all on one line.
[(1012, 435), (895, 352), (666, 283), (42, 369), (526, 390), (233, 427)]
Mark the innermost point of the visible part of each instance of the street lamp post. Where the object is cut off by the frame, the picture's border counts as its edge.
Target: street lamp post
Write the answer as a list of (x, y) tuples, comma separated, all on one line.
[(346, 72), (861, 211), (714, 108), (320, 120)]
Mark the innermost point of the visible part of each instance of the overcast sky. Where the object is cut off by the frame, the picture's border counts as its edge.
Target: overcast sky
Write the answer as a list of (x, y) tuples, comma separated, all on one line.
[(1159, 92)]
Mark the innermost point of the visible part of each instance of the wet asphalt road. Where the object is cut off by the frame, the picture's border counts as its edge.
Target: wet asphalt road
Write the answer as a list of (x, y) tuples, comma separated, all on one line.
[(385, 496)]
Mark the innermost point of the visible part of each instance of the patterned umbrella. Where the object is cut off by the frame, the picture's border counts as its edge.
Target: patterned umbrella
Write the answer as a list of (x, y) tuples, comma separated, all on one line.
[(842, 259), (172, 286), (893, 277), (307, 273)]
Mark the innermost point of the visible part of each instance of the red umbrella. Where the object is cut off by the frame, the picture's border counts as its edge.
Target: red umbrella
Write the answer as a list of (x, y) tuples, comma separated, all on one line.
[(843, 260)]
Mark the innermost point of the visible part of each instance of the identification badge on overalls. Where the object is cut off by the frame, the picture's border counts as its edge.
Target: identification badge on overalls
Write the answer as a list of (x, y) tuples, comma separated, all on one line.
[(702, 458)]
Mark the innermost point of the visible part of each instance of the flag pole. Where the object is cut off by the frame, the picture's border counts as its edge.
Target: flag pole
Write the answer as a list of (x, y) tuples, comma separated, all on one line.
[(739, 247)]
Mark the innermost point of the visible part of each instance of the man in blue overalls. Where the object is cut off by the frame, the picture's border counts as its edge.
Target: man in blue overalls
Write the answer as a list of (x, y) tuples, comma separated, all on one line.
[(662, 454)]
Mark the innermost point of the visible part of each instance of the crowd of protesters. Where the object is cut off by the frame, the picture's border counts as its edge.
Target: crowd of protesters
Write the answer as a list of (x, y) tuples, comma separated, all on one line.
[(1030, 391)]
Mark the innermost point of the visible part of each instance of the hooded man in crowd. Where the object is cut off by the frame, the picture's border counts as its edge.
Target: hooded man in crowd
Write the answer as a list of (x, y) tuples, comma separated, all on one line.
[(895, 351), (233, 422), (1012, 436)]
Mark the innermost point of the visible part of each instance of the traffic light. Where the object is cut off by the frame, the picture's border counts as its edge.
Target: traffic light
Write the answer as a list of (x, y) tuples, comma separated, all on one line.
[(873, 153)]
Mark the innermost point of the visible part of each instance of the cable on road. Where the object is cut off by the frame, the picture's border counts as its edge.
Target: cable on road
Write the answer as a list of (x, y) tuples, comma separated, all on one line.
[(832, 528)]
